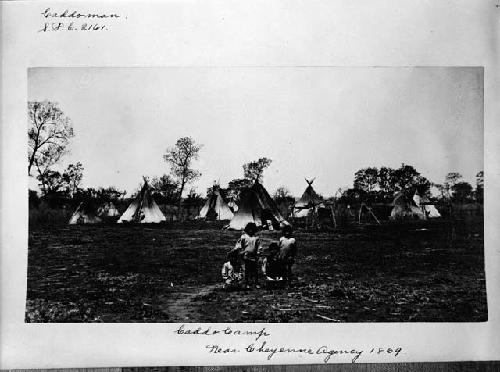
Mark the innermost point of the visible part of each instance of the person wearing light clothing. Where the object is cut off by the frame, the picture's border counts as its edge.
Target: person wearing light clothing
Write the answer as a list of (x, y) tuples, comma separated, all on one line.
[(232, 271), (249, 247)]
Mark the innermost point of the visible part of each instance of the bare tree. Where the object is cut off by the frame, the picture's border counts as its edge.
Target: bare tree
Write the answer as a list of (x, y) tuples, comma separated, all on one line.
[(49, 132), (180, 157)]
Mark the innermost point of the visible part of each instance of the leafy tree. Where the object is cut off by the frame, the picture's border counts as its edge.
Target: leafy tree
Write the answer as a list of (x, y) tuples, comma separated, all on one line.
[(452, 178), (72, 177), (64, 184), (443, 190), (462, 191), (180, 157), (386, 180), (52, 182), (406, 177), (236, 186), (449, 181), (252, 172), (423, 186), (366, 179), (49, 132), (255, 169), (379, 185), (282, 194), (166, 187), (107, 194)]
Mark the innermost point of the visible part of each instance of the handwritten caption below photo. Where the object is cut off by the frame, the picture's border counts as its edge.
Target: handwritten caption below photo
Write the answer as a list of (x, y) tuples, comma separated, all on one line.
[(75, 20), (259, 343)]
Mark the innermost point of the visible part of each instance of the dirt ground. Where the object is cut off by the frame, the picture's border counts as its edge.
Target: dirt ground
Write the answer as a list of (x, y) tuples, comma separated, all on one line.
[(417, 272)]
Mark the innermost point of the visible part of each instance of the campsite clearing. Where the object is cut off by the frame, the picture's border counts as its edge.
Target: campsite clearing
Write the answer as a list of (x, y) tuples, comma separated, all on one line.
[(427, 271)]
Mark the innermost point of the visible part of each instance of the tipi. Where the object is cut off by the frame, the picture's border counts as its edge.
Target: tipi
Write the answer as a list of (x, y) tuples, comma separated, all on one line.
[(309, 202), (83, 214), (257, 206), (143, 208), (426, 206), (405, 208), (216, 208)]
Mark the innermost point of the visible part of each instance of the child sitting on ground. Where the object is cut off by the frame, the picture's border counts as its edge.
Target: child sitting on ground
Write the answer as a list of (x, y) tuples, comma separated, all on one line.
[(232, 271), (288, 251), (249, 246)]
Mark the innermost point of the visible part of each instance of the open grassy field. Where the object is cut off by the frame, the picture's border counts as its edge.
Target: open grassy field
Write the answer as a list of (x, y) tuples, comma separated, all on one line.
[(418, 272)]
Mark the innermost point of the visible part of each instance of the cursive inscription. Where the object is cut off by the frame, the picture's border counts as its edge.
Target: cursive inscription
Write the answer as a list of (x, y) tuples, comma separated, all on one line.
[(209, 331), (74, 20), (48, 13), (325, 352), (261, 345)]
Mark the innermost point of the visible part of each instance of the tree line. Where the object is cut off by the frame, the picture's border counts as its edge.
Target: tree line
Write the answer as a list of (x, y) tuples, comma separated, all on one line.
[(50, 131), (381, 184)]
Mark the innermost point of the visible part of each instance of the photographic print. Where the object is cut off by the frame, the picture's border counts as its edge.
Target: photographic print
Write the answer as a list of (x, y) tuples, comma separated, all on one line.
[(255, 194)]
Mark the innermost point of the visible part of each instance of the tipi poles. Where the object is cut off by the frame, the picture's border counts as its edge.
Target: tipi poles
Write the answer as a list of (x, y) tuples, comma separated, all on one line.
[(369, 210), (333, 216), (373, 214)]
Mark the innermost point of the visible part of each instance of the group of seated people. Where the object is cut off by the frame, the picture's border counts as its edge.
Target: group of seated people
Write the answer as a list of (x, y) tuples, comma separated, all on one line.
[(248, 255)]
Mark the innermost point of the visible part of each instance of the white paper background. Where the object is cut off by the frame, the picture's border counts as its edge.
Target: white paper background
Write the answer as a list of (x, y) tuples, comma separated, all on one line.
[(238, 33)]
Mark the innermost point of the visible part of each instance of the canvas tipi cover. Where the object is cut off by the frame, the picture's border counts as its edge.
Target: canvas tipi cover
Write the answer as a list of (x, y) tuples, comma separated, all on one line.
[(426, 206), (216, 208), (143, 209), (405, 208), (257, 206), (308, 202), (82, 215)]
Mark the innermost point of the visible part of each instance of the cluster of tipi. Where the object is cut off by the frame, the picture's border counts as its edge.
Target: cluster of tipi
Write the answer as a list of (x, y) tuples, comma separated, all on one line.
[(143, 209), (256, 205), (417, 208)]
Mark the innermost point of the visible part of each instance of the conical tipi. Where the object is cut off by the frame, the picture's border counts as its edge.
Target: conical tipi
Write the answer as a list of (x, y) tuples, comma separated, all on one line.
[(308, 202), (83, 214), (405, 208), (216, 208), (143, 208), (426, 206), (257, 206)]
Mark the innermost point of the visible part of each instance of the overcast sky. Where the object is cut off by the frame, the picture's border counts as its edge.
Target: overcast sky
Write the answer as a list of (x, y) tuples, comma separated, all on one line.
[(324, 122)]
